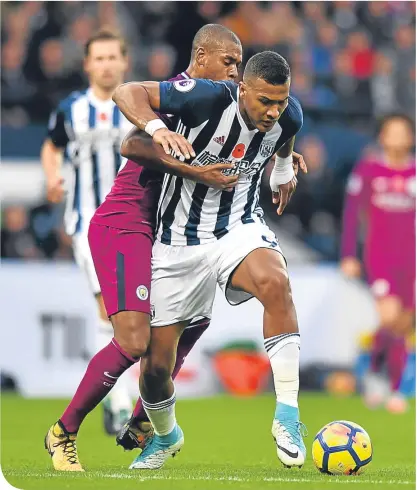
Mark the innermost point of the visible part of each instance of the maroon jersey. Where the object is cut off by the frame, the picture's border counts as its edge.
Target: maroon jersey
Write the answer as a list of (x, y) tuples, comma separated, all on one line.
[(132, 202), (385, 197)]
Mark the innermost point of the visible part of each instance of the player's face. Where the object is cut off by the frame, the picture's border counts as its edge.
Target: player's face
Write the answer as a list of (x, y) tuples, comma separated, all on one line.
[(396, 136), (262, 104), (105, 64), (222, 63)]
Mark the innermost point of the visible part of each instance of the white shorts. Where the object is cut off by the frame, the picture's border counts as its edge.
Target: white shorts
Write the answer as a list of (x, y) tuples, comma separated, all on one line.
[(84, 260), (184, 278)]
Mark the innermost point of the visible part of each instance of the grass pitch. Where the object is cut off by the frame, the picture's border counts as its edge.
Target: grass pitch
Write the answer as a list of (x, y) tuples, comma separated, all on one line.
[(228, 446)]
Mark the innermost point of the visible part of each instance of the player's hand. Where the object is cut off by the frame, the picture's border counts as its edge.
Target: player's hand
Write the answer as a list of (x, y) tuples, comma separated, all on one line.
[(213, 176), (283, 196), (170, 140), (55, 189), (298, 162), (351, 267)]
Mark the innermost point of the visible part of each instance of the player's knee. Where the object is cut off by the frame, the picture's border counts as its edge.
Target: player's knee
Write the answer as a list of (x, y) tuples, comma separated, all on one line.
[(274, 288), (157, 371), (390, 310), (134, 338)]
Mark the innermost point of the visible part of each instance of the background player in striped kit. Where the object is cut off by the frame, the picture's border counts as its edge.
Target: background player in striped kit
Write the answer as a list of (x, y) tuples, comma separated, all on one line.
[(381, 194), (121, 235), (90, 127), (219, 236)]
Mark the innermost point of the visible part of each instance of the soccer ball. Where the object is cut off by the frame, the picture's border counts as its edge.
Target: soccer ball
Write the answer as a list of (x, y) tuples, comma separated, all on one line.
[(342, 448)]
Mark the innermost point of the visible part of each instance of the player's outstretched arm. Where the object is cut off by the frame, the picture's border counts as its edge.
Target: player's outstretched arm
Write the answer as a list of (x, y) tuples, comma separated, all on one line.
[(142, 149), (138, 101)]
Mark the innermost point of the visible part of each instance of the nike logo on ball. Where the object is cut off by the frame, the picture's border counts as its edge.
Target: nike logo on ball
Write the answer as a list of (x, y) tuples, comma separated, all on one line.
[(288, 452), (109, 375)]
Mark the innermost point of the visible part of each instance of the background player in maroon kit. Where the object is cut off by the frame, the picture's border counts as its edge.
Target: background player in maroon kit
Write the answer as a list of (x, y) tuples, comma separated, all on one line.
[(121, 237), (381, 190)]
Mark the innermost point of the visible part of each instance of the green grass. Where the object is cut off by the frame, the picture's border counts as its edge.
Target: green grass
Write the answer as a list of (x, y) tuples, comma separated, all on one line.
[(228, 445)]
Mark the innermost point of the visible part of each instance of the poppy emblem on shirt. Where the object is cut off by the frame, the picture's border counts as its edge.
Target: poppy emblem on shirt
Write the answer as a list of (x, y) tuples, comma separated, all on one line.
[(239, 151), (103, 116)]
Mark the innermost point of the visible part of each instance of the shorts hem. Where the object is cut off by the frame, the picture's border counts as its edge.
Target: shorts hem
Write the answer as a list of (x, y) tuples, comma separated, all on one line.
[(129, 309), (251, 296), (173, 322)]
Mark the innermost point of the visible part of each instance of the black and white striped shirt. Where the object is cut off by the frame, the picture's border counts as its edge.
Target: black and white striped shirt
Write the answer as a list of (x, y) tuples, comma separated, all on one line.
[(191, 213)]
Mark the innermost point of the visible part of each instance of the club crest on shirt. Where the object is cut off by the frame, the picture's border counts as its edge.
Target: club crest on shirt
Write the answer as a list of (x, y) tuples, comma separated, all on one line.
[(184, 85), (267, 149), (142, 292)]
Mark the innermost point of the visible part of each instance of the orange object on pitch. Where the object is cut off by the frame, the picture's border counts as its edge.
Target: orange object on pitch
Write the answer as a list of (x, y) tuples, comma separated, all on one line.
[(242, 373)]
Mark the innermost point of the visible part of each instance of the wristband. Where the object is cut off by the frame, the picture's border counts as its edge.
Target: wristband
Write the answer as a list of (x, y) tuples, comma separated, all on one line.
[(282, 173), (154, 125)]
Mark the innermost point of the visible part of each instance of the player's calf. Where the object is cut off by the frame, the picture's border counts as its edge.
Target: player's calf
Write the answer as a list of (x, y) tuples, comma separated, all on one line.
[(263, 273)]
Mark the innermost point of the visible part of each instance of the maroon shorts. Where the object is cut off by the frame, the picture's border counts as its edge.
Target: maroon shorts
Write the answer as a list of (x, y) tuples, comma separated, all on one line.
[(393, 279), (122, 260)]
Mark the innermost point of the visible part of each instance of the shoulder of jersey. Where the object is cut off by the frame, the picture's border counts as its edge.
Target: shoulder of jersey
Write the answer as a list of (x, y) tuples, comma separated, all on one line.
[(72, 97), (294, 109)]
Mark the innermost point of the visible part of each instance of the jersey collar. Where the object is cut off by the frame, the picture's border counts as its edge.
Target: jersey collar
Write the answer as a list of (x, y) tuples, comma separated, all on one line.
[(101, 104)]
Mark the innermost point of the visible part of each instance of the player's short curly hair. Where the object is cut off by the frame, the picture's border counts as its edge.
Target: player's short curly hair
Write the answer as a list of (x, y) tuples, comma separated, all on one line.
[(269, 66)]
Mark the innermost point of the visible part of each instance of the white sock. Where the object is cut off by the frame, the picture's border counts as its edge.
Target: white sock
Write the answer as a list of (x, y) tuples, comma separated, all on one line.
[(119, 396), (162, 415), (284, 355)]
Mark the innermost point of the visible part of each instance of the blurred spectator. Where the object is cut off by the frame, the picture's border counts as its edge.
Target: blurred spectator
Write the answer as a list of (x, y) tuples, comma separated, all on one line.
[(378, 21), (314, 13), (322, 52), (54, 82), (73, 43), (344, 15), (310, 94), (64, 250), (383, 86), (17, 241), (405, 62), (359, 49), (16, 91), (161, 63)]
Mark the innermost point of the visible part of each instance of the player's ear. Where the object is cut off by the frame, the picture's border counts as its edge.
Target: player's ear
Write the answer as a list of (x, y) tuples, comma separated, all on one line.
[(242, 89), (201, 56)]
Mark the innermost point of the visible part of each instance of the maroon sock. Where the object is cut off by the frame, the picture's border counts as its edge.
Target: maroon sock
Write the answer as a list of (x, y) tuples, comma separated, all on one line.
[(101, 375), (379, 351), (396, 361), (186, 343)]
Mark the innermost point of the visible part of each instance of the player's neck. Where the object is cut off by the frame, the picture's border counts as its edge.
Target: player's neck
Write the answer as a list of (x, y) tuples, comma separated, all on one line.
[(102, 94), (192, 71), (245, 117), (397, 160)]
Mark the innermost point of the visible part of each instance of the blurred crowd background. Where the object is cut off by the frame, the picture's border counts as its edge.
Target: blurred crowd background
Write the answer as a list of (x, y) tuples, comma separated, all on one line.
[(351, 62)]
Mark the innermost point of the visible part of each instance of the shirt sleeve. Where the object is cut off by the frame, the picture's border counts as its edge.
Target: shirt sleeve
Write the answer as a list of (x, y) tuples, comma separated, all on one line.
[(355, 204), (291, 120), (194, 100), (57, 131)]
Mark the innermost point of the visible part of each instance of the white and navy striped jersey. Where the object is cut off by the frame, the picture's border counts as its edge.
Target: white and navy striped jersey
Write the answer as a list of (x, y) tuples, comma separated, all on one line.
[(91, 131), (191, 213)]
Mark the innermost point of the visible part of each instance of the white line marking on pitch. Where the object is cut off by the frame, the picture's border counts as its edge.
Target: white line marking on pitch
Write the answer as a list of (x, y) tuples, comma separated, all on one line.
[(138, 477)]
